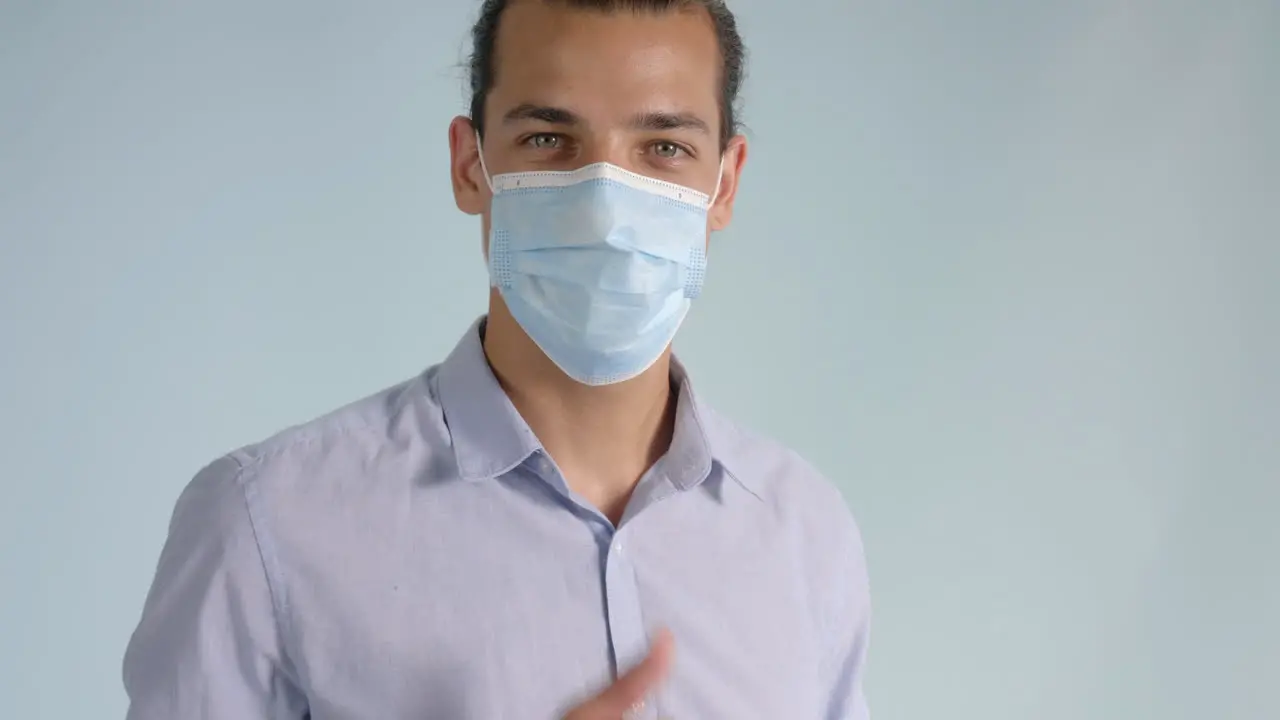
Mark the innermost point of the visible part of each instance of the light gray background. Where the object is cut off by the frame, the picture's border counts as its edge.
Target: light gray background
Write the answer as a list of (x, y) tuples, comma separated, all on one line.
[(1008, 272)]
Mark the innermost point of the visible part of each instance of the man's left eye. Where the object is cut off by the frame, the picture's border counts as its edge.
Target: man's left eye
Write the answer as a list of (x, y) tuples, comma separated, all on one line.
[(666, 149)]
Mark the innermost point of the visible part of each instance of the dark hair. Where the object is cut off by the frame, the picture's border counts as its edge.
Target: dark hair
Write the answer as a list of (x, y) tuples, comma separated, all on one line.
[(732, 53)]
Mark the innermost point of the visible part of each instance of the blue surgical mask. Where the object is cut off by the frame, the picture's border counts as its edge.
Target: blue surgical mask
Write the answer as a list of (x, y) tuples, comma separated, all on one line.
[(597, 265)]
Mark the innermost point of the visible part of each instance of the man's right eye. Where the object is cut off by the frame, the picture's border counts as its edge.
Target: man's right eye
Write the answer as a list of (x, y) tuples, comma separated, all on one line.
[(544, 141)]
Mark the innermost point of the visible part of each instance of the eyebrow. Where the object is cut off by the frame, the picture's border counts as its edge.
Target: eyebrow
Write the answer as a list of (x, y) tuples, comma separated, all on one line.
[(541, 113), (658, 120), (670, 121)]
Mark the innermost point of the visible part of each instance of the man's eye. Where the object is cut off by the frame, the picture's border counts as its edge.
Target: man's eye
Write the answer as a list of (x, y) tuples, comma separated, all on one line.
[(667, 150), (545, 142)]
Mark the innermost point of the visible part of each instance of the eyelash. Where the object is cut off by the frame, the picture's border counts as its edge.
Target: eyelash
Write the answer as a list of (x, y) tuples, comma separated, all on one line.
[(680, 149)]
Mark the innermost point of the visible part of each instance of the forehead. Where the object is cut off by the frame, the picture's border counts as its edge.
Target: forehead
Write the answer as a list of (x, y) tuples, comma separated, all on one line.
[(618, 60)]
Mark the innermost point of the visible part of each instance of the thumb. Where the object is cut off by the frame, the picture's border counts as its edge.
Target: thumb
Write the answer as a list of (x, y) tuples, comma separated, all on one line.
[(631, 688)]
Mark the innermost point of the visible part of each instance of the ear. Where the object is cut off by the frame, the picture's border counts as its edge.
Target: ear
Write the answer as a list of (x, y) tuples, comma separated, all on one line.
[(470, 190), (735, 157)]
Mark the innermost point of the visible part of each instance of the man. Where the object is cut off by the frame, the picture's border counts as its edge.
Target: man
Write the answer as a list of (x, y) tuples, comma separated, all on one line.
[(548, 524)]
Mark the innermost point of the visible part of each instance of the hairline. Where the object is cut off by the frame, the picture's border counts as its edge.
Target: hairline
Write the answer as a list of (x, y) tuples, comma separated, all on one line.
[(726, 128)]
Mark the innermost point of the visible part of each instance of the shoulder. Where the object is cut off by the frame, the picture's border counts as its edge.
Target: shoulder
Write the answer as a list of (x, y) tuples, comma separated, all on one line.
[(370, 421), (798, 496), (398, 418), (241, 498), (211, 509), (778, 475), (237, 502)]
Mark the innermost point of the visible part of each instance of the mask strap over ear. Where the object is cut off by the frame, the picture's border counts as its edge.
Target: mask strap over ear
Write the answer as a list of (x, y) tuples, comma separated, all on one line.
[(719, 181), (484, 169)]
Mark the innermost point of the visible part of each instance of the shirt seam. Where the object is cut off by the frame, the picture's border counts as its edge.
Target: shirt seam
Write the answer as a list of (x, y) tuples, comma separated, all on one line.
[(267, 555), (328, 427)]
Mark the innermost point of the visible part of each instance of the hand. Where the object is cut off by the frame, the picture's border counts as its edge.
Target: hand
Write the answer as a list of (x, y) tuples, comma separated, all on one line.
[(629, 691)]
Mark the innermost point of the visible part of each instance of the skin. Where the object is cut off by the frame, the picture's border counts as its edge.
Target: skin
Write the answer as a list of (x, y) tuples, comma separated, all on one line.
[(574, 87), (628, 692)]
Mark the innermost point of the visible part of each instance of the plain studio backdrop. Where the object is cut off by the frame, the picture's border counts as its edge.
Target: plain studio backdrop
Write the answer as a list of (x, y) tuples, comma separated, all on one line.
[(1008, 272)]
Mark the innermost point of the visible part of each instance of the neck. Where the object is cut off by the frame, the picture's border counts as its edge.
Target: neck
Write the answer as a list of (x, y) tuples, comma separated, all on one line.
[(603, 438)]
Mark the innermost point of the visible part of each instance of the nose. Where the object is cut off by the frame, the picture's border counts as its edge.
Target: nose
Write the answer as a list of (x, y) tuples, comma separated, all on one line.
[(606, 149)]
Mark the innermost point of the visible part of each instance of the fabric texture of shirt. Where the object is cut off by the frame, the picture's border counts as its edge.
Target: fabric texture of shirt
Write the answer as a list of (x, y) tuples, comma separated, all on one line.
[(418, 556)]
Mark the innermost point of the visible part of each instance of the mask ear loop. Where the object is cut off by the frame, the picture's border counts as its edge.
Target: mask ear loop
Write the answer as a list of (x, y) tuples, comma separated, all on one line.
[(484, 169), (719, 181)]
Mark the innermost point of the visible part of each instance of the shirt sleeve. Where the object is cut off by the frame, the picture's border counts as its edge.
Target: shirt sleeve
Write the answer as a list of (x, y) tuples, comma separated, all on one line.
[(848, 629), (208, 645)]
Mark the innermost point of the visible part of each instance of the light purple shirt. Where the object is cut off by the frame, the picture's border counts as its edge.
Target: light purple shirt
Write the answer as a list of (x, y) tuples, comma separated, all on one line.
[(417, 556)]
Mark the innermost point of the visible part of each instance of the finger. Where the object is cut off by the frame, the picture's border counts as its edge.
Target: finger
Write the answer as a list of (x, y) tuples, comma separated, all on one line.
[(631, 688)]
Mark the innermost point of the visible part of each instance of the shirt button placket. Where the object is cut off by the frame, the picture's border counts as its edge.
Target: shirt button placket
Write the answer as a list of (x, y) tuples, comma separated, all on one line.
[(626, 621)]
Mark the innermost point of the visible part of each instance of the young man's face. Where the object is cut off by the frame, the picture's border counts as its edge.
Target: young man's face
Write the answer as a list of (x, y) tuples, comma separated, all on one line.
[(575, 87)]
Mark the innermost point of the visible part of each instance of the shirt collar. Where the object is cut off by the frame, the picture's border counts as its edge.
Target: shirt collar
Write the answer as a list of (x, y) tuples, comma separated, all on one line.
[(703, 439), (490, 438), (689, 458)]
